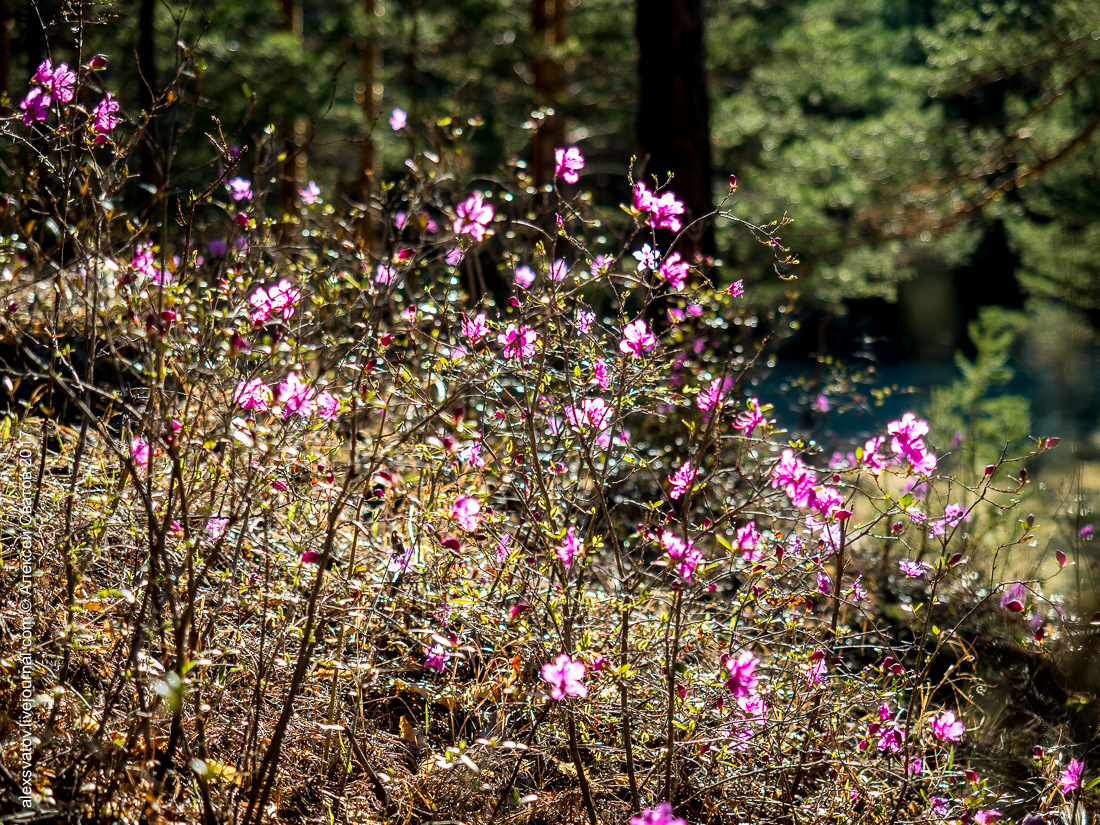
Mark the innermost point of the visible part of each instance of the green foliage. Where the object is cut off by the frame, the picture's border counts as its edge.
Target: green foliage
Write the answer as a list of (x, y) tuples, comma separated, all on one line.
[(973, 405)]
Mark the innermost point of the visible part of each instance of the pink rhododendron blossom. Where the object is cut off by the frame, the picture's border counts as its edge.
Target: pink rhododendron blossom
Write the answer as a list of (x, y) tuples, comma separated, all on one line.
[(296, 396), (436, 658), (584, 319), (751, 418), (280, 299), (60, 83), (796, 479), (663, 209), (892, 740), (747, 536), (912, 569), (674, 270), (558, 270), (239, 189), (637, 339), (519, 342), (953, 515), (736, 289), (327, 405), (476, 328), (568, 162), (600, 265), (454, 256), (647, 258), (817, 673), (35, 106), (827, 501), (252, 393), (661, 814), (466, 513), (311, 194), (215, 527), (742, 680), (398, 119), (872, 458), (599, 374), (565, 678), (104, 119), (525, 276), (1071, 777), (1014, 597), (713, 395), (472, 217), (987, 817), (570, 548), (947, 727), (681, 480), (824, 584), (754, 707), (141, 452), (682, 553), (907, 441), (384, 274)]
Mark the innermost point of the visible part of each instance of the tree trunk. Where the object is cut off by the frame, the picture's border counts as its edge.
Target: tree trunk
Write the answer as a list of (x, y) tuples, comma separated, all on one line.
[(673, 112), (292, 129), (548, 19)]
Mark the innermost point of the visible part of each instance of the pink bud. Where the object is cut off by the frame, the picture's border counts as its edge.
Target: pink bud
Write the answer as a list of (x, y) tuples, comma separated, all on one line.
[(1058, 554), (989, 468), (733, 184), (98, 62)]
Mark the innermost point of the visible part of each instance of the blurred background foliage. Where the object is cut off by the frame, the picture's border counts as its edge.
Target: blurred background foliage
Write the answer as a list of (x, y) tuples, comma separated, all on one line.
[(936, 157)]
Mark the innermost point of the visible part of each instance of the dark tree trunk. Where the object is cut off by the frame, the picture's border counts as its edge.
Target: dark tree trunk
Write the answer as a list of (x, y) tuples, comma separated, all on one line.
[(369, 104), (548, 19), (6, 23), (292, 129), (673, 111)]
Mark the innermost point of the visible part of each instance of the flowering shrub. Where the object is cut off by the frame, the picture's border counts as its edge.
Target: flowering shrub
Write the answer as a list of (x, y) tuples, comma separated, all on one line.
[(340, 495)]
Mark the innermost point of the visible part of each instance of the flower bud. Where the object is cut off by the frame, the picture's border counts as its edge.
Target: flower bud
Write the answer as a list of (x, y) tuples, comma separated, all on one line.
[(98, 62)]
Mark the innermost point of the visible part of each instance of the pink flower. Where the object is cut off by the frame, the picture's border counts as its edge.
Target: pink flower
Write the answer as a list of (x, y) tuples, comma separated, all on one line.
[(599, 374), (987, 817), (296, 396), (827, 501), (436, 657), (570, 548), (912, 569), (796, 479), (637, 339), (215, 527), (558, 270), (647, 257), (674, 270), (398, 119), (141, 452), (736, 289), (681, 480), (385, 274), (145, 263), (568, 162), (466, 510), (281, 299), (907, 440), (519, 342), (824, 584), (252, 393), (584, 321), (817, 673), (454, 256), (525, 276), (664, 209), (872, 458), (662, 814), (60, 83), (104, 120), (1013, 598), (683, 553), (239, 189), (742, 680), (327, 405), (476, 328), (311, 194), (1071, 778), (565, 678), (751, 418), (747, 536), (891, 740), (35, 106), (473, 216), (947, 728)]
